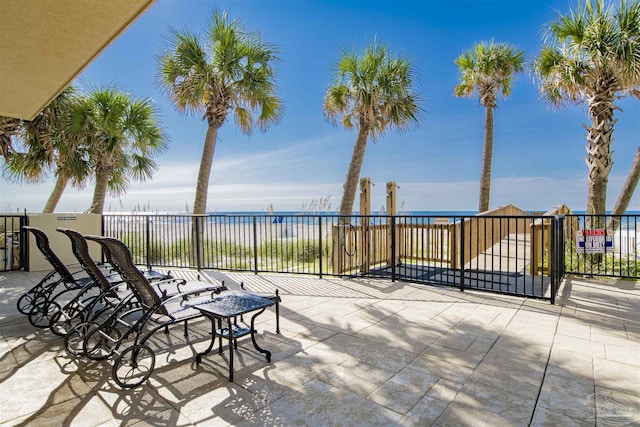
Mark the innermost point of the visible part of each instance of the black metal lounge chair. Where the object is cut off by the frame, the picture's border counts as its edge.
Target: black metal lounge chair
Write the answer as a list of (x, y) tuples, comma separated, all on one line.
[(92, 301), (157, 311), (39, 301), (150, 274)]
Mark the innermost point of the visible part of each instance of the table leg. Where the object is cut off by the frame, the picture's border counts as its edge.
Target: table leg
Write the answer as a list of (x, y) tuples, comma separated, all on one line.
[(219, 336), (213, 339), (277, 313), (230, 349), (253, 338)]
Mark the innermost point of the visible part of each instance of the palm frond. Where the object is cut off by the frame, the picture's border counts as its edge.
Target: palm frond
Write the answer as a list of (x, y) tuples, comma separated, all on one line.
[(592, 44), (488, 70), (374, 90), (228, 69)]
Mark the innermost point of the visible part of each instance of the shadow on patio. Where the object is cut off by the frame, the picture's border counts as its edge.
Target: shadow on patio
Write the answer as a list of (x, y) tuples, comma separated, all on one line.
[(354, 352)]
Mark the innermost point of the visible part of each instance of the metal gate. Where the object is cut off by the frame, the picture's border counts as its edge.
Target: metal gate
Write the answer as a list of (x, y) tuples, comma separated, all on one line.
[(515, 255), (12, 250)]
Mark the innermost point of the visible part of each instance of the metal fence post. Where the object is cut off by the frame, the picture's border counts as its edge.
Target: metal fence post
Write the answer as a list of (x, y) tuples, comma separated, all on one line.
[(24, 241), (255, 245), (562, 248), (198, 243), (462, 253), (102, 228), (557, 257), (393, 248), (320, 243), (148, 232), (553, 258)]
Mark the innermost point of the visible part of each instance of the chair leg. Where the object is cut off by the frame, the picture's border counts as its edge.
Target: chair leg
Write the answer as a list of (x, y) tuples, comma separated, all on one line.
[(186, 328), (277, 312)]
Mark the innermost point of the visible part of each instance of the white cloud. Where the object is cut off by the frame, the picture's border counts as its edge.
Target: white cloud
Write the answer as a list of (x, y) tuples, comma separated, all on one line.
[(295, 175), (172, 190)]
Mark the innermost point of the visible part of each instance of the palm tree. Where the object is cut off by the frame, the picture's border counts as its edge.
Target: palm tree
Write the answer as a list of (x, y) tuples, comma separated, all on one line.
[(229, 71), (49, 148), (592, 55), (122, 135), (488, 69), (372, 92), (8, 128)]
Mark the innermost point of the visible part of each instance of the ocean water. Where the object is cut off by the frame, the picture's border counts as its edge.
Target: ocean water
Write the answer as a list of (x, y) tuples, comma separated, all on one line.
[(403, 213)]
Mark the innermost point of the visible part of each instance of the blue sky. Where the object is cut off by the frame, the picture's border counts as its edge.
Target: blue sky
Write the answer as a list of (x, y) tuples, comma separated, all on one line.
[(538, 153)]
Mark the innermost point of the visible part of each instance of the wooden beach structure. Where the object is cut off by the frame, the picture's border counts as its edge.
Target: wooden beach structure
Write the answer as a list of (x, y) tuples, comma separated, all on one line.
[(505, 241)]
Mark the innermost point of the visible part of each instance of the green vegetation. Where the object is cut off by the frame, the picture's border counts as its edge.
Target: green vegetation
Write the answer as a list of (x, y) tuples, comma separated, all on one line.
[(299, 251), (225, 249), (291, 254), (597, 264)]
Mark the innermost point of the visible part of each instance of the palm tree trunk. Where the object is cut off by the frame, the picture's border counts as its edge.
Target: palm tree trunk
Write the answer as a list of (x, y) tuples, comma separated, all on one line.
[(599, 156), (202, 186), (626, 193), (196, 252), (100, 191), (629, 187), (353, 175), (54, 198), (487, 158)]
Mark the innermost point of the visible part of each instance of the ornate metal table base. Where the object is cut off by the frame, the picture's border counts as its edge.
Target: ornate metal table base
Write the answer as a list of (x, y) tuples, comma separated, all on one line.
[(229, 307)]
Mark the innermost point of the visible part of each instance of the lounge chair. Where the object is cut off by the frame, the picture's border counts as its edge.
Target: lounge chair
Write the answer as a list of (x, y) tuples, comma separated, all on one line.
[(90, 302), (156, 311), (39, 301)]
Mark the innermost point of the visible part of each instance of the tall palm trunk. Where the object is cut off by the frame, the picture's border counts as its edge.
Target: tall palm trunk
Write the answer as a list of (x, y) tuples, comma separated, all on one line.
[(8, 128), (349, 194), (54, 198), (629, 187), (6, 149), (200, 203), (100, 191), (599, 156), (626, 193), (487, 158), (353, 175), (196, 255)]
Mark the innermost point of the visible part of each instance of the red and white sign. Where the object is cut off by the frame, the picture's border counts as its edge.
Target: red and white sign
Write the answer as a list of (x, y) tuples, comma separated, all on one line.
[(597, 241)]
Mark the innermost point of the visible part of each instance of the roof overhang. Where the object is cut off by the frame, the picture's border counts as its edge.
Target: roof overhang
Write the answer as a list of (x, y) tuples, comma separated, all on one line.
[(45, 44)]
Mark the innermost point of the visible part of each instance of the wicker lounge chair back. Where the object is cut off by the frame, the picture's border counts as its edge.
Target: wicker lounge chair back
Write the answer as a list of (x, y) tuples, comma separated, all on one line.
[(42, 241), (123, 263), (149, 274), (81, 251)]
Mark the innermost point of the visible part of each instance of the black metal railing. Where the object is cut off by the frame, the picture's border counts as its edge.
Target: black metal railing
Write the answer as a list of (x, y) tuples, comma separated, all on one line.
[(602, 245), (508, 254), (12, 249)]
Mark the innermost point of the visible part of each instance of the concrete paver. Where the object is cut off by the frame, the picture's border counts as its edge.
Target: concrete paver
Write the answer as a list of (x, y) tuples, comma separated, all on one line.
[(354, 352)]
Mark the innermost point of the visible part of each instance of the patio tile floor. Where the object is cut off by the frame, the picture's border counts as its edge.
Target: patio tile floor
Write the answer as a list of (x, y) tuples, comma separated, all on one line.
[(353, 352)]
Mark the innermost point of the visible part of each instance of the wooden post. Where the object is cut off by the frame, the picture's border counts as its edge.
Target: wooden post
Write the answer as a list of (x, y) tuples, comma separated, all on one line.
[(365, 211), (391, 198), (540, 247), (337, 251)]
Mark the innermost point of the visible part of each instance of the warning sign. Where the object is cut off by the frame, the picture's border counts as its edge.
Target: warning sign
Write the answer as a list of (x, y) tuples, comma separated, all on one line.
[(596, 241)]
